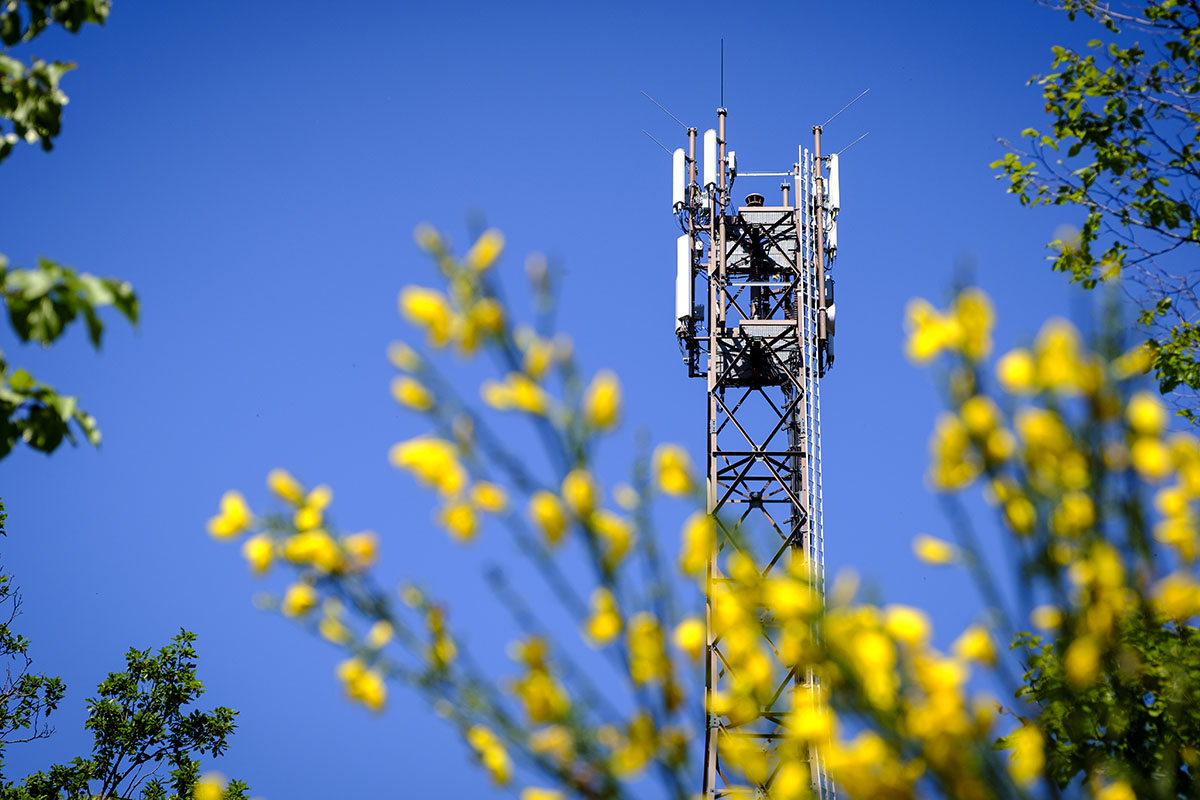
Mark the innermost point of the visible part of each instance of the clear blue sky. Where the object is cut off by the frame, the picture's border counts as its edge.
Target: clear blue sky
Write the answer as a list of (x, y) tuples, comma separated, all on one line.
[(256, 170)]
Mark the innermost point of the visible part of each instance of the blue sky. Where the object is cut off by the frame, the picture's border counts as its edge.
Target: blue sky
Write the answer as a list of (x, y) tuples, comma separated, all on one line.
[(256, 171)]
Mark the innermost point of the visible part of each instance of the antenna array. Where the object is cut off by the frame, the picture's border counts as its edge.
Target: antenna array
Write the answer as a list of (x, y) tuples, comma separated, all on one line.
[(760, 332)]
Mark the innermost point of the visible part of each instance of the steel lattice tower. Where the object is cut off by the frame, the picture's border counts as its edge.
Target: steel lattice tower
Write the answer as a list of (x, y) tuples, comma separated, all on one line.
[(761, 333)]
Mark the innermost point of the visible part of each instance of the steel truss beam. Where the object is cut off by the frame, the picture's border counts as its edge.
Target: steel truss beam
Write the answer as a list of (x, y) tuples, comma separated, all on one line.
[(762, 357)]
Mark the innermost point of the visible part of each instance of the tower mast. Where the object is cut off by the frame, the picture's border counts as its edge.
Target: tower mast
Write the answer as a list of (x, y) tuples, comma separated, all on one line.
[(761, 336)]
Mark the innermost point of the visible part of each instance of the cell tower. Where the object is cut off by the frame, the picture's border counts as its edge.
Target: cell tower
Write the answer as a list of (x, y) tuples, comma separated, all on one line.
[(760, 332)]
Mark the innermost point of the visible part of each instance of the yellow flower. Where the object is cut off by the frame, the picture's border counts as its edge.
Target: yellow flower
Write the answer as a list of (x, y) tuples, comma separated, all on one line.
[(306, 518), (1060, 362), (1082, 661), (234, 518), (411, 393), (1046, 617), (487, 315), (362, 548), (258, 550), (602, 401), (443, 650), (648, 654), (537, 793), (1179, 532), (974, 315), (788, 597), (518, 392), (580, 492), (209, 787), (299, 599), (980, 415), (1113, 791), (1000, 445), (929, 331), (485, 251), (1146, 414), (491, 753), (908, 625), (459, 520), (380, 634), (548, 514), (810, 724), (314, 547), (935, 551), (975, 644), (690, 636), (433, 461), (362, 684), (954, 464), (1134, 362), (403, 357), (1028, 757), (332, 629), (1150, 458), (1171, 501), (553, 740), (1177, 596), (615, 532), (428, 309), (605, 623), (673, 468), (544, 698), (1075, 514), (539, 355), (1017, 372), (488, 497), (873, 651), (319, 498), (281, 482), (1019, 514), (699, 539)]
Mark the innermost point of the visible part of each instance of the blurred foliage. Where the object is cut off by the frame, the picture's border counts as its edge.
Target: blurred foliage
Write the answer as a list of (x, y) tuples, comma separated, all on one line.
[(42, 302), (1121, 146), (1095, 495), (30, 98), (41, 305), (141, 724)]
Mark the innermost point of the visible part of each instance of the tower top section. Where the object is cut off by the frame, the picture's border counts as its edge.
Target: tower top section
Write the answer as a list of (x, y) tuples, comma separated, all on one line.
[(760, 262)]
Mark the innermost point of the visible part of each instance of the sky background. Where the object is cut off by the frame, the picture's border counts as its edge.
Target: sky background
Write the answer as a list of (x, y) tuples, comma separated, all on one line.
[(256, 170)]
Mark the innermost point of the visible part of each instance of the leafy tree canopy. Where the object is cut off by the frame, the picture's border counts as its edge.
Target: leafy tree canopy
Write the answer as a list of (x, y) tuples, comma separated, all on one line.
[(1121, 146)]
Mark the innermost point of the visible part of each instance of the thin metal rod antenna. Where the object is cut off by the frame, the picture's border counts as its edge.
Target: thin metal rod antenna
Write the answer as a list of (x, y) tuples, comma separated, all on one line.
[(722, 73), (663, 146), (843, 108), (847, 147), (664, 108)]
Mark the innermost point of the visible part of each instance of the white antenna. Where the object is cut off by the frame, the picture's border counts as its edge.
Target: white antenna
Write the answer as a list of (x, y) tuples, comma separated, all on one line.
[(731, 160), (683, 282), (678, 178), (835, 192), (710, 159)]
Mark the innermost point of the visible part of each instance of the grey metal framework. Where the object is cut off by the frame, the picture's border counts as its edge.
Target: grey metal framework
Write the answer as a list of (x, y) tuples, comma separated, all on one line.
[(760, 333)]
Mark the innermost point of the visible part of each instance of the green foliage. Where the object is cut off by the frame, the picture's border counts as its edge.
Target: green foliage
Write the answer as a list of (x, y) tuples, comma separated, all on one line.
[(30, 98), (141, 724), (26, 698), (1142, 711), (1121, 146), (41, 304)]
